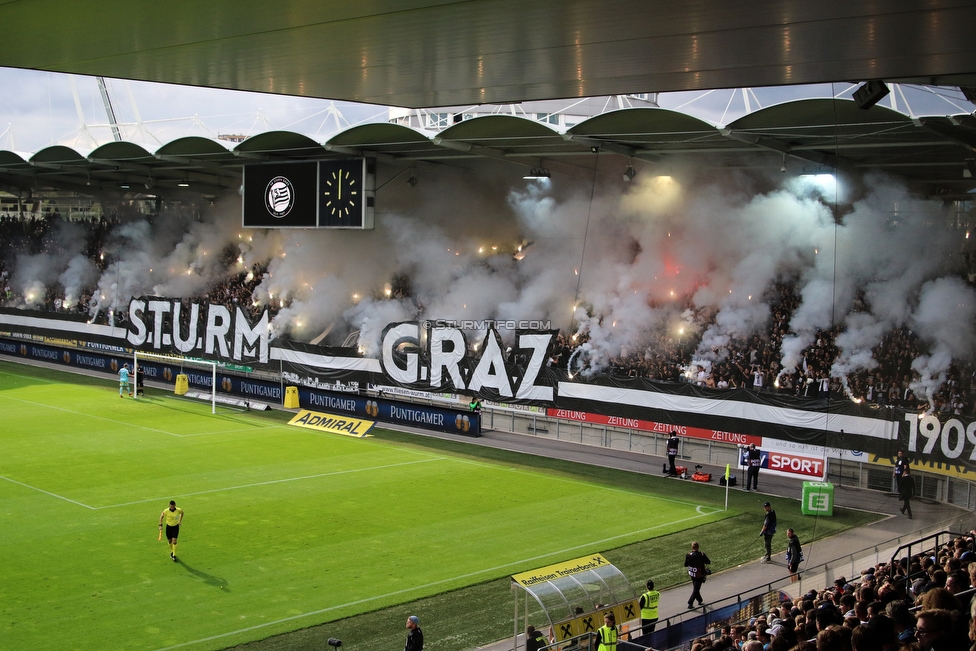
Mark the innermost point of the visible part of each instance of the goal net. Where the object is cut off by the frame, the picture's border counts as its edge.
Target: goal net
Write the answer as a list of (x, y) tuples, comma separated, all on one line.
[(204, 373)]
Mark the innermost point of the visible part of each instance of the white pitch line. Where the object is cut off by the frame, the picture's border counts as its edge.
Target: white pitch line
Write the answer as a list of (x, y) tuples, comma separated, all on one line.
[(161, 431), (235, 431), (581, 482), (81, 413), (422, 587), (273, 481), (41, 490), (28, 377)]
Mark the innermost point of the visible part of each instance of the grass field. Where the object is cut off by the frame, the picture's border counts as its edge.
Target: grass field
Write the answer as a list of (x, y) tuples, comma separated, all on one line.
[(285, 528)]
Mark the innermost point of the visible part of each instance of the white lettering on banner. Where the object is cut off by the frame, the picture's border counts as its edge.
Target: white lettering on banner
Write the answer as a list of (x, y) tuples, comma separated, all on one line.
[(951, 437), (539, 345), (88, 360), (623, 422), (490, 371), (417, 416), (199, 379), (574, 415), (730, 437), (439, 359), (316, 383), (446, 357), (249, 388), (408, 374), (667, 429), (243, 334), (332, 403), (230, 337), (158, 308), (218, 325), (46, 354), (136, 308), (794, 464), (188, 344)]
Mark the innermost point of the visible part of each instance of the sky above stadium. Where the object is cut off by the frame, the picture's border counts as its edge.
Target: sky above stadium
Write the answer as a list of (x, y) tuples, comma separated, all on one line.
[(43, 108)]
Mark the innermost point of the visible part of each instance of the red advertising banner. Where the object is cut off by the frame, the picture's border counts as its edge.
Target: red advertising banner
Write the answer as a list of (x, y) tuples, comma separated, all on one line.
[(794, 465), (652, 426), (775, 461)]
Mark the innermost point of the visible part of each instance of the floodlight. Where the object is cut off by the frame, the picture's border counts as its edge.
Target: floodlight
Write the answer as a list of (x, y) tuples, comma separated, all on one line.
[(870, 93), (537, 173), (629, 173)]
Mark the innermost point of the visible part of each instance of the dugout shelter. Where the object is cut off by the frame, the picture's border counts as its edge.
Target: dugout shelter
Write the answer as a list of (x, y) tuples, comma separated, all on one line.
[(571, 598)]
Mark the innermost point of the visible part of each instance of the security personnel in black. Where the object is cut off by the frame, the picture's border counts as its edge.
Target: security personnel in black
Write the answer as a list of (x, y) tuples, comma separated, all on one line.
[(534, 640), (754, 459), (606, 637), (648, 606), (768, 529), (672, 449)]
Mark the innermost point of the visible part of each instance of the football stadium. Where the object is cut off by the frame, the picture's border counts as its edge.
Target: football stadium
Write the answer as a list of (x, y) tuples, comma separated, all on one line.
[(585, 326)]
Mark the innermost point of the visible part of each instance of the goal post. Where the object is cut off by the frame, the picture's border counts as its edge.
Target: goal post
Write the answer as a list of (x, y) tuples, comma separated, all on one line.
[(177, 361)]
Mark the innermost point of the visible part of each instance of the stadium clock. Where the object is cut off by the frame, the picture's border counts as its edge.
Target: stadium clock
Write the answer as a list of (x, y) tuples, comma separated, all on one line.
[(342, 193)]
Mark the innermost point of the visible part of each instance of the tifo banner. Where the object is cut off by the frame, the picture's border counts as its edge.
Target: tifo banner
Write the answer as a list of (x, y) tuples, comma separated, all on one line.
[(433, 360), (172, 326), (169, 326), (438, 359), (332, 423)]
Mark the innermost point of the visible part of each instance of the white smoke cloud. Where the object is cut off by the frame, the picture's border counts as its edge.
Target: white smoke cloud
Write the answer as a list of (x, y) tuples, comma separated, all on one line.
[(944, 318), (694, 256)]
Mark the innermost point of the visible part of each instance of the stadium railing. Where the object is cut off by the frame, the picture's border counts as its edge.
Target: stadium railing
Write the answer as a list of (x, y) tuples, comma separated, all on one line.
[(675, 632)]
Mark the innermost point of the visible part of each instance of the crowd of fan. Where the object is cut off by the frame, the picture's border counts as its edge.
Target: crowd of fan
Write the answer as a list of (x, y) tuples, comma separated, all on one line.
[(922, 603), (751, 362), (36, 235)]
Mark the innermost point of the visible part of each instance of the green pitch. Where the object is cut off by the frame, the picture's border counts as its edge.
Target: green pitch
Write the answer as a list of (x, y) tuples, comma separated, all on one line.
[(284, 528)]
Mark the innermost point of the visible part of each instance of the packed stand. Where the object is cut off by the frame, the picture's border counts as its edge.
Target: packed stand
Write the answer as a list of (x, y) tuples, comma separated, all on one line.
[(751, 362), (922, 603), (36, 235)]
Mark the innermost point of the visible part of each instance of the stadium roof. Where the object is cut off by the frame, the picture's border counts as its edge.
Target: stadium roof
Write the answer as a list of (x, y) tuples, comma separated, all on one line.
[(424, 53), (934, 154)]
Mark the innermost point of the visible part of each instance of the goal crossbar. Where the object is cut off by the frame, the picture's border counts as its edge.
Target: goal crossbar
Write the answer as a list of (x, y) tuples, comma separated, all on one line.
[(180, 361)]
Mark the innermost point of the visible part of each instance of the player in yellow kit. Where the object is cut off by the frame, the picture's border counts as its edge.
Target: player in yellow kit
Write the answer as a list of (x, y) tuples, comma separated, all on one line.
[(173, 517)]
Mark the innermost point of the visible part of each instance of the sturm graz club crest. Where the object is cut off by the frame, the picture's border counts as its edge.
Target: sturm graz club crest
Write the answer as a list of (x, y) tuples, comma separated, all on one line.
[(279, 197)]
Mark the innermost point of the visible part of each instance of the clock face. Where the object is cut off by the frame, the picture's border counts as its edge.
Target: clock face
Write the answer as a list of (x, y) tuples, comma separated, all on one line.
[(342, 194)]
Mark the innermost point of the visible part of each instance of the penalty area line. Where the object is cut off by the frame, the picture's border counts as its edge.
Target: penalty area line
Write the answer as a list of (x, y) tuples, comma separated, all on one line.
[(583, 482), (432, 584), (29, 377), (41, 490), (86, 415), (271, 482)]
